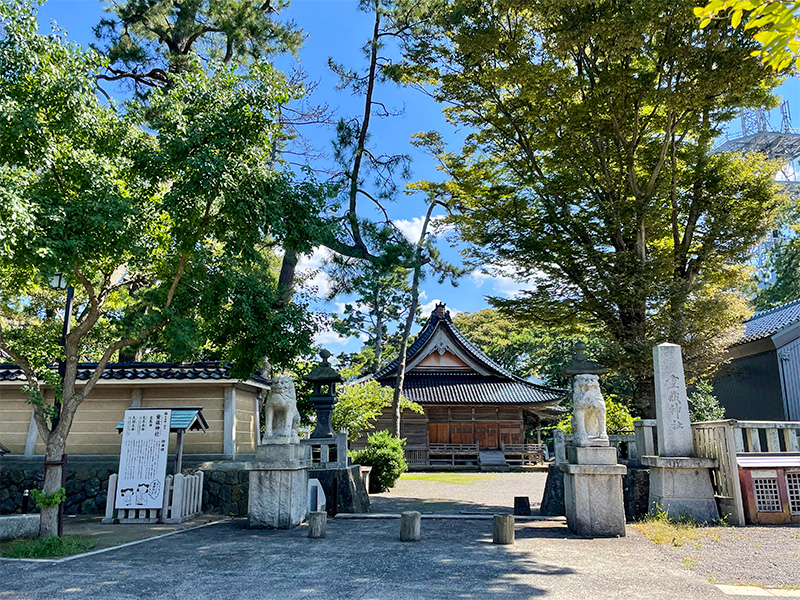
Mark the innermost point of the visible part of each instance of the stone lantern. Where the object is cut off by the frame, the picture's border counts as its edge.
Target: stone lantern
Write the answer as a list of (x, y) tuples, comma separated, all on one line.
[(324, 379)]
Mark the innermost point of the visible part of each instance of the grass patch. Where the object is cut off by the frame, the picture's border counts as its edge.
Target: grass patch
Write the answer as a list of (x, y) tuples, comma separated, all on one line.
[(454, 478), (662, 529), (52, 547)]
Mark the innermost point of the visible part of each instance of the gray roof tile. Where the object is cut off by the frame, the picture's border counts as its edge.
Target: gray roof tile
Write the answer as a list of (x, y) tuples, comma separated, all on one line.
[(137, 371), (765, 323)]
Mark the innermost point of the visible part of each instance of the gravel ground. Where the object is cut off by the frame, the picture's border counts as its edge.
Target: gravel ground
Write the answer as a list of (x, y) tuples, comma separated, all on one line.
[(763, 556), (460, 492), (760, 556)]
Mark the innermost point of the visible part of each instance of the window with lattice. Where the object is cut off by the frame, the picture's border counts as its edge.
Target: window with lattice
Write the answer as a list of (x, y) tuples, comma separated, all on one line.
[(793, 487), (766, 493)]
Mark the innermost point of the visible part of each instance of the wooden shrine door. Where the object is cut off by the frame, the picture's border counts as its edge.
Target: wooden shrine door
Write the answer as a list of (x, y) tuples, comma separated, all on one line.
[(486, 436), (438, 433)]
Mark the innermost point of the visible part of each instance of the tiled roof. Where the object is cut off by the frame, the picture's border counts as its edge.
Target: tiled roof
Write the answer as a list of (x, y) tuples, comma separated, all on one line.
[(449, 387), (182, 418), (453, 386), (765, 323), (427, 331), (142, 371)]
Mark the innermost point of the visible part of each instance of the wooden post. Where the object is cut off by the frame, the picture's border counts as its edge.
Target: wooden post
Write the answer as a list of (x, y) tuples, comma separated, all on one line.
[(317, 524), (111, 496), (179, 452), (503, 529), (410, 526)]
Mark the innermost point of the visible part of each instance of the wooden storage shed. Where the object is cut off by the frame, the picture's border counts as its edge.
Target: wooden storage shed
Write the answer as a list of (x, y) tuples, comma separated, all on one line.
[(468, 398), (231, 407), (762, 379)]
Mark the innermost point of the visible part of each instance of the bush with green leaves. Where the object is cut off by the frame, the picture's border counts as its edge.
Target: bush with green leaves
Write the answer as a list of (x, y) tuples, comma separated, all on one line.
[(386, 455), (703, 404), (618, 418)]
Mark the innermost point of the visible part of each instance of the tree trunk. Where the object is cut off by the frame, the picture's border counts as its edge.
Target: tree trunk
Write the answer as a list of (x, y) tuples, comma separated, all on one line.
[(401, 369), (286, 278), (48, 520), (378, 342)]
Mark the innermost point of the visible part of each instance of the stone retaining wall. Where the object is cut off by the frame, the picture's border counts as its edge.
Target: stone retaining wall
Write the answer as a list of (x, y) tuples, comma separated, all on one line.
[(225, 490)]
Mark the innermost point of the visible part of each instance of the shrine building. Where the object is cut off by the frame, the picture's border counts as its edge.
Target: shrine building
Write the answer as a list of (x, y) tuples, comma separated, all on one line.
[(467, 397)]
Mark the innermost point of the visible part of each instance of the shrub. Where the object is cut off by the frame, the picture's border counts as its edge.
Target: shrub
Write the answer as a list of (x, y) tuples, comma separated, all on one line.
[(618, 418), (385, 454), (703, 404)]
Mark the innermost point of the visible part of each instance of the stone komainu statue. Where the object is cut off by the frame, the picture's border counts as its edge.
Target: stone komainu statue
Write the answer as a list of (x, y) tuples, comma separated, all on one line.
[(281, 418), (589, 412)]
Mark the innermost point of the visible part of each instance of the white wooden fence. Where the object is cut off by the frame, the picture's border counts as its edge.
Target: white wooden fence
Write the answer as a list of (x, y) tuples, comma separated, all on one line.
[(183, 499)]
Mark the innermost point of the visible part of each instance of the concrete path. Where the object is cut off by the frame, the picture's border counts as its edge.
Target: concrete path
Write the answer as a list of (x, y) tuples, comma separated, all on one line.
[(364, 560), (455, 492)]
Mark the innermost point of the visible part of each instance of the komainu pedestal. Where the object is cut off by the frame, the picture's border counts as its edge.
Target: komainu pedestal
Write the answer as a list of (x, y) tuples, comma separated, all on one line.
[(593, 492), (278, 496)]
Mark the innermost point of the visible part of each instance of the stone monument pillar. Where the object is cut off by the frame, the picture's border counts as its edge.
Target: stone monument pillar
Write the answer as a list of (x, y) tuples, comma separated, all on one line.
[(278, 496), (680, 484), (592, 478)]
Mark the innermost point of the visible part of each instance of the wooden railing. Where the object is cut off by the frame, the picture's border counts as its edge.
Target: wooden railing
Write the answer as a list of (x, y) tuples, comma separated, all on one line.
[(454, 453), (715, 439), (417, 456), (523, 454), (767, 436)]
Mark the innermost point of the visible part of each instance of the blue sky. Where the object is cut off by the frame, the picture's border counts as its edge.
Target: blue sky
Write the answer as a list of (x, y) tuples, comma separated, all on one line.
[(336, 29)]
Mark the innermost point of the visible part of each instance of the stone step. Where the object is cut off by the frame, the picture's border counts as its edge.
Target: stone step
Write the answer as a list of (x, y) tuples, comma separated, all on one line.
[(493, 459)]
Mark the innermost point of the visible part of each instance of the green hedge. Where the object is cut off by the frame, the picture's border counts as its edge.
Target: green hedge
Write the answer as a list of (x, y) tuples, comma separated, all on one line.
[(385, 454)]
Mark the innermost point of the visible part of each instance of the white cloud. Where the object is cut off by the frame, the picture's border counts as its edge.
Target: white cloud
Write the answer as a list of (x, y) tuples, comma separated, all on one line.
[(428, 307), (503, 280), (412, 229), (309, 270), (330, 338)]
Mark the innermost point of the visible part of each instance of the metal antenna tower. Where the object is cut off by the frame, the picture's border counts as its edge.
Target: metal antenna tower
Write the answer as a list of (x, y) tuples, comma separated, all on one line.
[(782, 144)]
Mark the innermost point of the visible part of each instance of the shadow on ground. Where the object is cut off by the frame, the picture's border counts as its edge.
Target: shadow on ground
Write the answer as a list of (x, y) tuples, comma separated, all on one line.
[(358, 559)]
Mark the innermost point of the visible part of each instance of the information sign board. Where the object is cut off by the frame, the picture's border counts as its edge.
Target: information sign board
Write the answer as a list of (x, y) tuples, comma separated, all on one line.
[(143, 459)]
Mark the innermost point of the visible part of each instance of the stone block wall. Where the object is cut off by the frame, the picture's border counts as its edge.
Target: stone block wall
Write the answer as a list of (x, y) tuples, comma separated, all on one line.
[(224, 492), (226, 489), (86, 485)]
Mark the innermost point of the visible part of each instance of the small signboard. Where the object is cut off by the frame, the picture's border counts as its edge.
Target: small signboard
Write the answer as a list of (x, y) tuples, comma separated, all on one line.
[(143, 459)]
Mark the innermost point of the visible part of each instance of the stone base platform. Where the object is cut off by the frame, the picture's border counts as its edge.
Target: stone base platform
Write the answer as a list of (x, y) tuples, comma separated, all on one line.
[(278, 490), (593, 499), (681, 486), (14, 527), (344, 489)]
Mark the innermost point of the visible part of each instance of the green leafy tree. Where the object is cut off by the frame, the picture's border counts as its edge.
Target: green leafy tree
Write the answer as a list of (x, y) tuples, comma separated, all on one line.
[(382, 297), (156, 212), (589, 172), (775, 24), (360, 404), (526, 349), (703, 404), (146, 40)]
